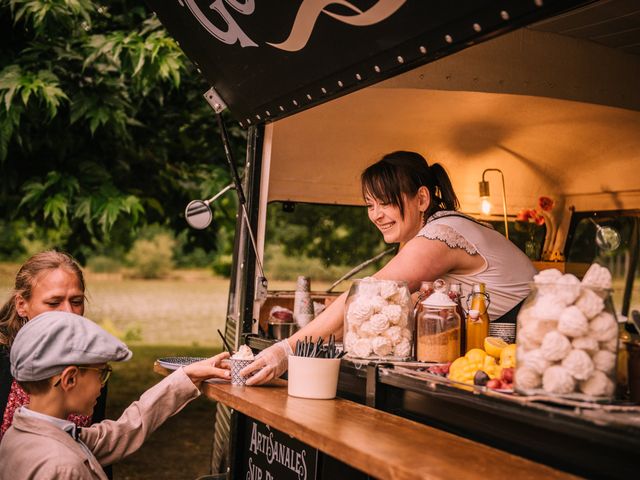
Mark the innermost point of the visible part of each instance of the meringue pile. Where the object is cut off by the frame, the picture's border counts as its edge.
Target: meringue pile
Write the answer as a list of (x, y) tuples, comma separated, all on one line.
[(377, 320), (567, 341)]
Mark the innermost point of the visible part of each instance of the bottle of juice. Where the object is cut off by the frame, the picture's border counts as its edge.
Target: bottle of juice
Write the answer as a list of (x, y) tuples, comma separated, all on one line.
[(477, 327)]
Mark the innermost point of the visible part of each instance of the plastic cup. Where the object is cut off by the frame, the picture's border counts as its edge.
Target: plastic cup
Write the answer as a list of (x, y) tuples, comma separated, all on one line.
[(237, 365), (311, 377)]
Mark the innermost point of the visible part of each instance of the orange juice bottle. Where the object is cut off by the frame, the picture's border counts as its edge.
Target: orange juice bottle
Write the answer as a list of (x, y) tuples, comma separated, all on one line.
[(477, 327)]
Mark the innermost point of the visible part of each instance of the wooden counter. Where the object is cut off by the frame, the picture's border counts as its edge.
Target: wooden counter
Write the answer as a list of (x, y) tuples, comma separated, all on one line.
[(377, 443)]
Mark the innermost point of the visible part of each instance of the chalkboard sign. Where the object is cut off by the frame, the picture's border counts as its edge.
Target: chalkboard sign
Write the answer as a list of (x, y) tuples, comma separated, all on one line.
[(268, 454)]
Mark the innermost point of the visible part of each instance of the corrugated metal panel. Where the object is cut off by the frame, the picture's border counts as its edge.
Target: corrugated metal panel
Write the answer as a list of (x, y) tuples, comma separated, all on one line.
[(612, 23)]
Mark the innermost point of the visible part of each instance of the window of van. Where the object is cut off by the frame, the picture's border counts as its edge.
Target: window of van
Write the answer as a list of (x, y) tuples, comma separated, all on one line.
[(623, 262), (528, 237), (323, 242)]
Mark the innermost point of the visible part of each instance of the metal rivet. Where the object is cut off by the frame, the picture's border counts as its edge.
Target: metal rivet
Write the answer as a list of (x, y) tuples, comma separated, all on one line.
[(504, 14), (423, 49), (324, 90), (358, 77), (377, 69), (281, 108), (268, 113), (308, 96), (258, 117), (240, 123), (248, 121), (400, 59), (295, 102), (199, 71), (448, 38), (340, 83), (477, 27)]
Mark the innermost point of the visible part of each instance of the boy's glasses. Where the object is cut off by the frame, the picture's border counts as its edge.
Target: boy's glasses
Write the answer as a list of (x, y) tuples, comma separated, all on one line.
[(105, 372)]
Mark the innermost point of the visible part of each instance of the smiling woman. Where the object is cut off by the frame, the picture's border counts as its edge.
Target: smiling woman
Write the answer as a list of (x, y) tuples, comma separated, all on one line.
[(47, 281), (414, 204)]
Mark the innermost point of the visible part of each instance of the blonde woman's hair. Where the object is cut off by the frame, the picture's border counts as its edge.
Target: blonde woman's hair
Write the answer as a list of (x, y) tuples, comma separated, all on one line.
[(10, 321)]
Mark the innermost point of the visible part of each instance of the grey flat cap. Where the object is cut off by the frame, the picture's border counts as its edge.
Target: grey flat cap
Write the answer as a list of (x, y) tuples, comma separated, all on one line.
[(52, 341)]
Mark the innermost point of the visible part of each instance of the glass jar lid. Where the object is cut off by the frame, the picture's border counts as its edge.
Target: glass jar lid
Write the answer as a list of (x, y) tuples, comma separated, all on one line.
[(439, 298)]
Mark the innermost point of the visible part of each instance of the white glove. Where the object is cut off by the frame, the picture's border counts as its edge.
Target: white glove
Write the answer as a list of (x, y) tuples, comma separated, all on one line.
[(269, 364)]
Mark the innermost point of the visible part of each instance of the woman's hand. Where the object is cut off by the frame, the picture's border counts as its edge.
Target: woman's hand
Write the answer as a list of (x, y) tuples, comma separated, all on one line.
[(269, 364), (209, 368)]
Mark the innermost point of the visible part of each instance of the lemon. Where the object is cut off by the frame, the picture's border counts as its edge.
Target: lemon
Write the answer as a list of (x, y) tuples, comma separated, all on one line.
[(494, 346), (508, 356)]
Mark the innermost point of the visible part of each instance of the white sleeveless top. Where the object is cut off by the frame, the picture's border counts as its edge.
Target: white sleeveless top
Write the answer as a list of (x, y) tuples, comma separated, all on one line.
[(508, 270)]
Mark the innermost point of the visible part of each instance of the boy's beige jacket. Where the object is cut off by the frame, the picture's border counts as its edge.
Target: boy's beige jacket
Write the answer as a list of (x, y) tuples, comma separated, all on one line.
[(36, 449)]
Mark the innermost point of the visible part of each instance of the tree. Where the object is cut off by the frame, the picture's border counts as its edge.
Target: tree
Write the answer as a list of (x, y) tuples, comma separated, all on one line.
[(103, 127)]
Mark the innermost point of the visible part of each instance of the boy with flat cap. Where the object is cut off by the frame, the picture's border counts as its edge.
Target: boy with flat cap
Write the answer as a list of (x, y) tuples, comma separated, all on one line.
[(61, 360)]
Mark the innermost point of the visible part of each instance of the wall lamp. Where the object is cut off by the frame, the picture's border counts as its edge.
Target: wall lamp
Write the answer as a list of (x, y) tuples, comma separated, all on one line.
[(485, 194)]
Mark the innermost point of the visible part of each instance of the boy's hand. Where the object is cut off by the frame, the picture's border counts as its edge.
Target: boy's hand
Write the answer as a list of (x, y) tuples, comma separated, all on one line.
[(209, 368)]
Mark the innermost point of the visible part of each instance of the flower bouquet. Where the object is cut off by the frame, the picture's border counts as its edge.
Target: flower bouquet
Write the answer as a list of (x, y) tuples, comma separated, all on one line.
[(529, 219)]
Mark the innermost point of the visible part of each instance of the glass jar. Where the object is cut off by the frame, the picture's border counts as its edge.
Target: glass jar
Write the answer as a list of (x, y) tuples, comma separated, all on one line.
[(567, 342), (378, 321), (438, 327)]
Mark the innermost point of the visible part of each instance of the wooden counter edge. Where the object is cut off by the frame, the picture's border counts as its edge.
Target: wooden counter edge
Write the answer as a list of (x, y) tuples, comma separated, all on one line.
[(371, 464)]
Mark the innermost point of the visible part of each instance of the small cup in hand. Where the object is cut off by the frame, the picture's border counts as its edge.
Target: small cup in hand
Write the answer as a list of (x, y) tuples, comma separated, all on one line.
[(238, 364)]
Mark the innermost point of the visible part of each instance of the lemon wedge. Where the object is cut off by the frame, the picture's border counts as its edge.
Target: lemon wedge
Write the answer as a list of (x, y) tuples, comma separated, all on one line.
[(494, 346)]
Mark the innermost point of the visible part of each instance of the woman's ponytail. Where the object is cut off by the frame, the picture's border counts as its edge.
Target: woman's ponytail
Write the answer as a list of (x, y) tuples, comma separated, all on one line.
[(446, 198)]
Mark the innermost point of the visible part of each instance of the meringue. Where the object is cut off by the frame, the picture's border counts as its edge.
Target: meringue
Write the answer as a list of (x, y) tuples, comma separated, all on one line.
[(349, 340), (527, 378), (362, 348), (366, 330), (381, 346), (603, 327), (392, 312), (534, 360), (555, 346), (573, 323), (597, 276), (569, 288), (394, 334), (590, 303), (359, 311), (403, 348), (557, 379), (377, 303), (388, 289), (604, 361), (368, 287), (588, 344), (578, 363), (597, 385), (379, 322), (550, 275)]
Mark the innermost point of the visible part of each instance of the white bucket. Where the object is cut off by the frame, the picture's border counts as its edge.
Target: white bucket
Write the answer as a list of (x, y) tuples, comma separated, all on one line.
[(311, 377)]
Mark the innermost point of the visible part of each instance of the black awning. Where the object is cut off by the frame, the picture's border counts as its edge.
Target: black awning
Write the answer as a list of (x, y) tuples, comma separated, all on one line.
[(272, 58)]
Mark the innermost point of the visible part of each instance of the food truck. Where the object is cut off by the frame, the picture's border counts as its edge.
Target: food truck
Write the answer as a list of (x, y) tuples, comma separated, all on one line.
[(539, 97)]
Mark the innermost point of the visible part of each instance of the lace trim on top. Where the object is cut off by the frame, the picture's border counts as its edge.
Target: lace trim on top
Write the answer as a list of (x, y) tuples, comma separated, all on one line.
[(448, 235)]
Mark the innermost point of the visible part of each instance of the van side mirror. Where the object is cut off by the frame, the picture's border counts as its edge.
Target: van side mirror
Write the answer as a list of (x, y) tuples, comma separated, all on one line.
[(198, 212)]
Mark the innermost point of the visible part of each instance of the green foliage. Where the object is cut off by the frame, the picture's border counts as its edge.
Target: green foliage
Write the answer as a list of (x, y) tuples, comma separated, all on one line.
[(103, 128), (333, 234), (152, 258), (103, 264)]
